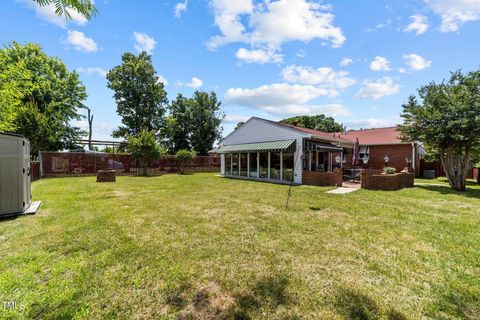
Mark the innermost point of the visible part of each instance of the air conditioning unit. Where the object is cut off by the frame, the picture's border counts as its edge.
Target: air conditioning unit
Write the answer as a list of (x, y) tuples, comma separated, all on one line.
[(15, 171)]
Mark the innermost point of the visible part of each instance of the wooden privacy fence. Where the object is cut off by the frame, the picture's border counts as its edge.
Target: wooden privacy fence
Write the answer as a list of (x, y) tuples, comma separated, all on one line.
[(35, 170), (64, 164)]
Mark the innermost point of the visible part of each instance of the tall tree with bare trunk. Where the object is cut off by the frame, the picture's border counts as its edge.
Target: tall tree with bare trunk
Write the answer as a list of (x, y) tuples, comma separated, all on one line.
[(446, 118)]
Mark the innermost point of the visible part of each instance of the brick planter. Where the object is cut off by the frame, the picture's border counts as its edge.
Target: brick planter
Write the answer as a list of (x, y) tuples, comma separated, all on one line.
[(106, 176), (315, 178), (377, 181)]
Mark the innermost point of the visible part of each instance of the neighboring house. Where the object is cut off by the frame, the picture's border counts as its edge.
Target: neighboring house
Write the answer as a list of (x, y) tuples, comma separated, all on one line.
[(271, 151)]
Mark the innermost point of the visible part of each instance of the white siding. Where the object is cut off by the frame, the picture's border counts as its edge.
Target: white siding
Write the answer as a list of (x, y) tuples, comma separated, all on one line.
[(258, 130)]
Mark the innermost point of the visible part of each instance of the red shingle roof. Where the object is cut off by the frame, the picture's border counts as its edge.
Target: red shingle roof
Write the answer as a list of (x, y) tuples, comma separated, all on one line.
[(378, 136), (389, 135), (328, 135)]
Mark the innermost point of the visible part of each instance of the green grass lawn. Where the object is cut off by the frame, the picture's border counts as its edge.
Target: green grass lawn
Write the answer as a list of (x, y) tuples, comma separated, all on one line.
[(203, 247)]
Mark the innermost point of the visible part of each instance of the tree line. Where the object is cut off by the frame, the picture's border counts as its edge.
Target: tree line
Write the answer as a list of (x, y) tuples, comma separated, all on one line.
[(184, 124), (40, 98)]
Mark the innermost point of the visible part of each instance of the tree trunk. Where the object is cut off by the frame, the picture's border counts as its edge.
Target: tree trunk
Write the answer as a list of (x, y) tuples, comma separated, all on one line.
[(90, 123), (456, 168)]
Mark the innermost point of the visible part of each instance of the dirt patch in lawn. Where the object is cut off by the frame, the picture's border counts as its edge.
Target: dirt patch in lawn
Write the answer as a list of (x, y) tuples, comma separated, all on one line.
[(120, 194)]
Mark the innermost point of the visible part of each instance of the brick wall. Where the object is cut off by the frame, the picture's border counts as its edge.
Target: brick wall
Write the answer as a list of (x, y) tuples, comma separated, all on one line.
[(397, 154), (374, 180), (315, 178)]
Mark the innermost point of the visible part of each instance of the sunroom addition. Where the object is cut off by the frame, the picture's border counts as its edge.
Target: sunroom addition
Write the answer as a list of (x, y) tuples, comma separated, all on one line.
[(272, 160)]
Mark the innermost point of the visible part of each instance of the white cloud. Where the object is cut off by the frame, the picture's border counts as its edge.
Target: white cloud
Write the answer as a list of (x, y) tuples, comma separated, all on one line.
[(380, 64), (371, 123), (323, 76), (454, 13), (143, 42), (331, 110), (180, 8), (283, 98), (163, 80), (275, 94), (419, 24), (402, 70), (93, 70), (346, 62), (260, 56), (301, 53), (81, 42), (194, 84), (272, 23), (381, 25), (233, 118), (378, 89), (47, 13), (416, 62)]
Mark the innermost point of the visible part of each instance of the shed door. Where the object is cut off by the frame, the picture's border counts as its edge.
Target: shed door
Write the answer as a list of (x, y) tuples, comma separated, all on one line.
[(10, 174), (27, 182)]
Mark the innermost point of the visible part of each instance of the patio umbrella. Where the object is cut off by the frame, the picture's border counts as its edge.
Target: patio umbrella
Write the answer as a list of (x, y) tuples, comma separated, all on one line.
[(356, 153)]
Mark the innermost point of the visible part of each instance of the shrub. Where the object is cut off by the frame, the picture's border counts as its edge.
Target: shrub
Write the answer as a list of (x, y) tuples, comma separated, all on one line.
[(389, 170), (144, 148), (183, 156)]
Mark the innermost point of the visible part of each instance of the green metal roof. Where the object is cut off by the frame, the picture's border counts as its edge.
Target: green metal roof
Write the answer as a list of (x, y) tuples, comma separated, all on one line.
[(280, 145), (310, 145)]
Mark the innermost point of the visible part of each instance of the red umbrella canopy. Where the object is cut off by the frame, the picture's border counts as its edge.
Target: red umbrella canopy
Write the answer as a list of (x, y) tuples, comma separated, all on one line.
[(356, 153)]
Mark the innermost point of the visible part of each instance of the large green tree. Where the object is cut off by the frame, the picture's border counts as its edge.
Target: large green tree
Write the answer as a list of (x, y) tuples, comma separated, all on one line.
[(139, 95), (446, 118), (318, 122), (39, 97), (205, 120), (178, 125), (84, 7)]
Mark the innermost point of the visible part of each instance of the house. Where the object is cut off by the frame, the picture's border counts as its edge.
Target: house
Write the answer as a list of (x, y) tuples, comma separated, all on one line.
[(271, 151)]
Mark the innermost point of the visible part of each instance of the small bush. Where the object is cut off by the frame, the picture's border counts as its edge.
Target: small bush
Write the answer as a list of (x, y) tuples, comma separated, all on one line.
[(389, 170), (183, 156), (144, 148)]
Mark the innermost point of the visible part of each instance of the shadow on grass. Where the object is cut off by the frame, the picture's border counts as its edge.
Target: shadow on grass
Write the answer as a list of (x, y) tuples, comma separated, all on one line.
[(446, 190), (10, 217), (355, 305), (211, 303)]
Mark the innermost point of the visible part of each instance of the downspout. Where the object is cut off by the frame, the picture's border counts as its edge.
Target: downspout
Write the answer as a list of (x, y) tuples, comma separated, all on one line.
[(413, 159)]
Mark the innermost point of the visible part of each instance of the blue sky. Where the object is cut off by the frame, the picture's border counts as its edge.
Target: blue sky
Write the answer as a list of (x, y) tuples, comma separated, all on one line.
[(355, 60)]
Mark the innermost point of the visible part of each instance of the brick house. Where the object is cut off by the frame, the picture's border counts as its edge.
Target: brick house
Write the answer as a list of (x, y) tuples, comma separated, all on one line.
[(271, 151), (385, 142)]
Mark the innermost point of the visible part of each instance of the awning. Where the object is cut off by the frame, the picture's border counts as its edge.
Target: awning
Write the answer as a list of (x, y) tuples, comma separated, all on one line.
[(310, 145), (273, 146)]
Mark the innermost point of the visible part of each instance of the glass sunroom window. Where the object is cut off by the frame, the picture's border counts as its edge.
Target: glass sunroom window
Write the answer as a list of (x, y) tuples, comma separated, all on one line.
[(243, 164), (275, 165), (288, 164), (253, 165), (228, 164), (235, 164), (263, 165)]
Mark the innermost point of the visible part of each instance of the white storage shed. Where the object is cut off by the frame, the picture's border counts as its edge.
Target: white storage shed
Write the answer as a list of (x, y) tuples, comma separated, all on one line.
[(15, 171)]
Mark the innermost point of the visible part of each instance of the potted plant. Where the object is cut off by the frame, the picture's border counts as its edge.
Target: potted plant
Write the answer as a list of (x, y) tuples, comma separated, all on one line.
[(389, 170)]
